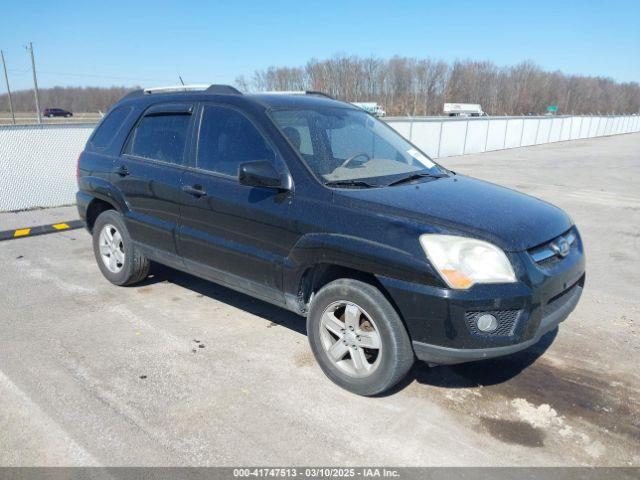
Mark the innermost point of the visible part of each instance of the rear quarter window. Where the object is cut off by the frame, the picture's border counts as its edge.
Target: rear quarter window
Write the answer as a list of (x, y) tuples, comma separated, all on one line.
[(109, 127)]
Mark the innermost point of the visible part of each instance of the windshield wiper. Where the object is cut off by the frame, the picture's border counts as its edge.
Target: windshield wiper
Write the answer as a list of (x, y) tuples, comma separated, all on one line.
[(414, 176), (350, 183)]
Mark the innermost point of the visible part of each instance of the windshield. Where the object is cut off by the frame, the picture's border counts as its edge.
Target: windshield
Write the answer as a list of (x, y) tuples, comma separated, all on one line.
[(342, 145)]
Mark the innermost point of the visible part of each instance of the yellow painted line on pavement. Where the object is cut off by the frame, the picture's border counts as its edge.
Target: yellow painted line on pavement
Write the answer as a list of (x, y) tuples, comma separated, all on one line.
[(22, 232)]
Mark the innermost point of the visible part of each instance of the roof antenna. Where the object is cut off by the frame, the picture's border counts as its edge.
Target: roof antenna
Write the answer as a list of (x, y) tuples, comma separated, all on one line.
[(181, 81)]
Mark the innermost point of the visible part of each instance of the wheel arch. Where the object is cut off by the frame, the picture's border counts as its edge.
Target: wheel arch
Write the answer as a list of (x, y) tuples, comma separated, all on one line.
[(320, 258), (95, 207), (318, 275)]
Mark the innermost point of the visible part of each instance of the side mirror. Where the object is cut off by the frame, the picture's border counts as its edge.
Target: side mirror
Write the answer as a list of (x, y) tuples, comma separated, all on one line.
[(262, 173)]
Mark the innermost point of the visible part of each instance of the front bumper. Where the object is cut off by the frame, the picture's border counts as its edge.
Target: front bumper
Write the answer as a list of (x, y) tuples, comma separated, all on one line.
[(448, 356), (440, 321)]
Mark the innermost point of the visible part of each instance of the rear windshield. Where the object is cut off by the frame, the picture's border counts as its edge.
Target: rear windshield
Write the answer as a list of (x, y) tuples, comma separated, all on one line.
[(108, 128), (341, 144)]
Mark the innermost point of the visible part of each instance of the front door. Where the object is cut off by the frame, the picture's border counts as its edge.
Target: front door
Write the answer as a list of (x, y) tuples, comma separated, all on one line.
[(233, 234)]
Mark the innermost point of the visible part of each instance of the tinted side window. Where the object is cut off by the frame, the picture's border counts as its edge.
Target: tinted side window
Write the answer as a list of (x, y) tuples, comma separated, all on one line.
[(227, 139), (109, 127), (160, 137)]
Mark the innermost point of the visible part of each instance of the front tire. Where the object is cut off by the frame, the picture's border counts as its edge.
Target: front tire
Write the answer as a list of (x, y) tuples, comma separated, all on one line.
[(358, 338), (118, 259)]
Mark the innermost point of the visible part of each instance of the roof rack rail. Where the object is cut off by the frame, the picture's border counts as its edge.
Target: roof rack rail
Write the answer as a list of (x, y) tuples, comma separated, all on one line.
[(299, 92), (214, 88), (317, 92), (223, 90), (177, 88)]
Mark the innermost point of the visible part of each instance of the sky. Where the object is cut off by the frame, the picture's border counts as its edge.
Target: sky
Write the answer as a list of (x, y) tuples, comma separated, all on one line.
[(114, 42)]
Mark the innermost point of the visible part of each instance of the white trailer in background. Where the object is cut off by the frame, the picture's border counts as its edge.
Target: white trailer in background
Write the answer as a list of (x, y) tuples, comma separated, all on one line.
[(463, 110), (372, 107)]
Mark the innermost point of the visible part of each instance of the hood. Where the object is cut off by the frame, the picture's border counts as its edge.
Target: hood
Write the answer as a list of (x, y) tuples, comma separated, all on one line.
[(463, 205)]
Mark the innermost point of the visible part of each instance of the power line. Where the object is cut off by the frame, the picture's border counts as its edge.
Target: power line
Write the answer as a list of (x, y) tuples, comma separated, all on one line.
[(93, 75), (87, 75), (19, 72)]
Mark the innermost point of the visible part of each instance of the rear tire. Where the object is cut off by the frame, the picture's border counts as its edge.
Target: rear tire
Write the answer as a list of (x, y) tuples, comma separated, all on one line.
[(118, 259), (358, 338)]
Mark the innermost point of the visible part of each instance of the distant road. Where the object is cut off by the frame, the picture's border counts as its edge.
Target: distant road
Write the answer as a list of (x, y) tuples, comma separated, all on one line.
[(29, 118)]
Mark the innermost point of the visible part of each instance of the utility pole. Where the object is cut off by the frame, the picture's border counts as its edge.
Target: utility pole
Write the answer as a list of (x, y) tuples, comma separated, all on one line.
[(6, 79), (35, 82)]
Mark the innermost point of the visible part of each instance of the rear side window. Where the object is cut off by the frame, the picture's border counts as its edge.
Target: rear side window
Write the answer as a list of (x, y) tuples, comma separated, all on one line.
[(160, 137), (107, 130), (227, 139)]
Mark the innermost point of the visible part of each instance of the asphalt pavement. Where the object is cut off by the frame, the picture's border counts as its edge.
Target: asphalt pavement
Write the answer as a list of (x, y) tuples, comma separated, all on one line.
[(180, 371)]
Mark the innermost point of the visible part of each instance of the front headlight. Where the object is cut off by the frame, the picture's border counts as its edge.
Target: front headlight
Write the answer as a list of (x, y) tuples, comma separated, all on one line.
[(463, 261)]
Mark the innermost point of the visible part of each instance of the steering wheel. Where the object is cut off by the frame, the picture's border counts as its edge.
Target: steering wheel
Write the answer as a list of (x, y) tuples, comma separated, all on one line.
[(353, 157)]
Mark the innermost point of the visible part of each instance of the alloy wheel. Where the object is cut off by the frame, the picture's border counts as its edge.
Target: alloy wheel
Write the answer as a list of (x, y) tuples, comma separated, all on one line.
[(350, 339), (112, 248)]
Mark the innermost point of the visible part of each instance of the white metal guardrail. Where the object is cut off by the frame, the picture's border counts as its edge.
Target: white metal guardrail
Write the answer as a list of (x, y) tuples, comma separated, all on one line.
[(38, 162), (447, 136)]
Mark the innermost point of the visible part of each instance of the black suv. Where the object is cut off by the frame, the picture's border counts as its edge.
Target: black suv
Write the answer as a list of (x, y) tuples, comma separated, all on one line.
[(316, 206)]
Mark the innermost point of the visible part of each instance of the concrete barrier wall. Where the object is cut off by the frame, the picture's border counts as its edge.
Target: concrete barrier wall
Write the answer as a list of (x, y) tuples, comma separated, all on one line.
[(38, 162), (444, 137)]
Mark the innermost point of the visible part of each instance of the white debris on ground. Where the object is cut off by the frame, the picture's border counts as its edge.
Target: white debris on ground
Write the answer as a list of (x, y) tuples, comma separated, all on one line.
[(540, 417), (544, 416)]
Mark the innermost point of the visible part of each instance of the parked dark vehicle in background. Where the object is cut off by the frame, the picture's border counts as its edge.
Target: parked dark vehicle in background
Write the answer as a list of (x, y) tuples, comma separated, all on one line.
[(318, 207), (56, 112)]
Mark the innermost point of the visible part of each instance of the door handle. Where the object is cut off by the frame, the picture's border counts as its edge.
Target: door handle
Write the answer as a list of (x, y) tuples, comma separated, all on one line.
[(195, 190), (123, 171)]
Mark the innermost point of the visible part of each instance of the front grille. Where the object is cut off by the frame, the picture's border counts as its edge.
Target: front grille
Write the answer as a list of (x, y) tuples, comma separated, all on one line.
[(507, 322), (549, 262), (550, 253)]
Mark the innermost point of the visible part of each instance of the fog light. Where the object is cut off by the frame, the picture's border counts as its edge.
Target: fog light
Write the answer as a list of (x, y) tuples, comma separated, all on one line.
[(486, 323)]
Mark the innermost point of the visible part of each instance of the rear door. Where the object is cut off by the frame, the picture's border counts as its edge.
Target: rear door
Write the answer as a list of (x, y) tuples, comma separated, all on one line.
[(149, 173), (234, 234)]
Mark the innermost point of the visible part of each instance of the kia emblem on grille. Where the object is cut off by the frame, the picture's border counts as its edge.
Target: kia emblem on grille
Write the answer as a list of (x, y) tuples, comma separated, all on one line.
[(561, 247)]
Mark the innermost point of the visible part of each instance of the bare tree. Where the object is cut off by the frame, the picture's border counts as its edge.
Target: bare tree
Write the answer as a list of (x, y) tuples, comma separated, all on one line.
[(404, 86), (410, 86)]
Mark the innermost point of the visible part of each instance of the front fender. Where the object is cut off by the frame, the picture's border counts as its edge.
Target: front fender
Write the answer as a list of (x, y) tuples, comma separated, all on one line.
[(356, 253)]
